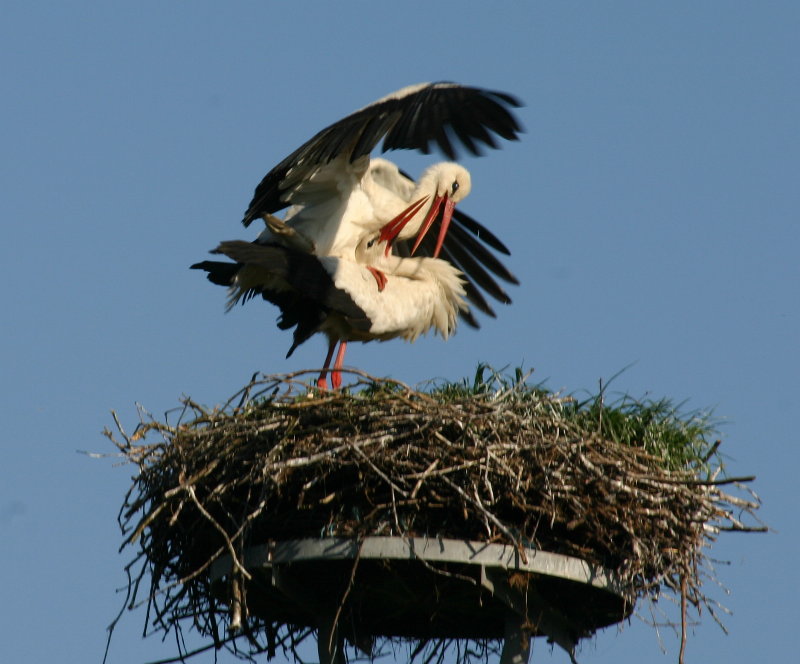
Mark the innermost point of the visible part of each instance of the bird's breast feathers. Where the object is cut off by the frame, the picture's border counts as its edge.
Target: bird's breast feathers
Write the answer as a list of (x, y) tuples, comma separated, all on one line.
[(411, 303)]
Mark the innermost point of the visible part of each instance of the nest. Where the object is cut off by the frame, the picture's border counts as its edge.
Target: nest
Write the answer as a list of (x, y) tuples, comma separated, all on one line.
[(633, 487)]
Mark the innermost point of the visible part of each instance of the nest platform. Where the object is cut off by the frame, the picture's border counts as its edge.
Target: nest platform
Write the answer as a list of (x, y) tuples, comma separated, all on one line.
[(422, 589), (484, 512)]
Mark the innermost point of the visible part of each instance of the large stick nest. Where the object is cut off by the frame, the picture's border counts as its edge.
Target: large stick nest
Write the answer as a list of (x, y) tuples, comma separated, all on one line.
[(634, 487)]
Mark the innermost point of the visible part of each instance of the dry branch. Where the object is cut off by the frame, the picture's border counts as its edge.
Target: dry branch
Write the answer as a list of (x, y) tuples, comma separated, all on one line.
[(501, 462)]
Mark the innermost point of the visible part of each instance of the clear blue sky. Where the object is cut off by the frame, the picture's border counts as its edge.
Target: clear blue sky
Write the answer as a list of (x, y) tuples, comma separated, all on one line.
[(652, 208)]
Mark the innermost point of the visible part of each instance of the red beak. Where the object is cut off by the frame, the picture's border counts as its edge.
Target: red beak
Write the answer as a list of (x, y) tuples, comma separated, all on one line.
[(447, 215), (392, 229)]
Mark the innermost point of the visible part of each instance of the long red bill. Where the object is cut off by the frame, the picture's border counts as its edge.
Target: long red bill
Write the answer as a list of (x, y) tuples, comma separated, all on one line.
[(447, 215), (426, 224), (380, 277), (392, 229)]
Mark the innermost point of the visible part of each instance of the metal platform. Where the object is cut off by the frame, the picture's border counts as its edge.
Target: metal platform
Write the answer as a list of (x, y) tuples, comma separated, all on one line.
[(424, 588)]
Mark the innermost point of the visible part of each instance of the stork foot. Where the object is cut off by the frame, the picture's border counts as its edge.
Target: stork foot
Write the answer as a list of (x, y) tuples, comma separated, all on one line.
[(293, 238)]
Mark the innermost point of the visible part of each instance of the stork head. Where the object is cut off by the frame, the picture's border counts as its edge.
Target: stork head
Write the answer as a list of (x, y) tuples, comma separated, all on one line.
[(446, 180), (371, 248), (447, 183), (372, 252)]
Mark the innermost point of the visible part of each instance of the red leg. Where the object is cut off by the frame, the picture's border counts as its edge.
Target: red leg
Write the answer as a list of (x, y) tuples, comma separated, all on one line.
[(336, 374), (322, 383), (380, 277)]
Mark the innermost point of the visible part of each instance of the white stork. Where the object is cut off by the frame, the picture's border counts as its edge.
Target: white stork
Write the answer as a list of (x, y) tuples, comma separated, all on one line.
[(340, 297), (463, 246), (347, 213), (329, 218), (328, 180)]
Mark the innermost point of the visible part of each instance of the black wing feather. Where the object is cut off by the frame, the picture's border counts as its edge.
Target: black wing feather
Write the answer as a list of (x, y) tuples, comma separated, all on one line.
[(470, 243), (465, 246), (466, 262), (410, 121), (311, 296), (480, 231)]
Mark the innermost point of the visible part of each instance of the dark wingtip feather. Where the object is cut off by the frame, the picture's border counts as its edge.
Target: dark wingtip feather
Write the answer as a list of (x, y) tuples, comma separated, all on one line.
[(442, 115), (509, 99), (480, 231), (469, 318), (218, 272)]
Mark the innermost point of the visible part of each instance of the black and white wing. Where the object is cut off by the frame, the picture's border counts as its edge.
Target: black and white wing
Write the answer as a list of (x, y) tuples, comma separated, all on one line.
[(412, 118), (468, 246)]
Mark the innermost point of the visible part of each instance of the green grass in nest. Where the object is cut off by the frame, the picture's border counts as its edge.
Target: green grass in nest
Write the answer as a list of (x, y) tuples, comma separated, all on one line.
[(634, 485), (680, 439)]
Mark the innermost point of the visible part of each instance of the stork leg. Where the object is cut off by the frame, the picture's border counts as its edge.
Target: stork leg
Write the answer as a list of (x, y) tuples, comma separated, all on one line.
[(322, 383), (336, 374), (292, 236)]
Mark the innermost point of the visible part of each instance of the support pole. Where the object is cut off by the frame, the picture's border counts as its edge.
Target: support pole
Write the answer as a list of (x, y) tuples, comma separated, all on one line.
[(530, 607), (329, 643), (517, 640)]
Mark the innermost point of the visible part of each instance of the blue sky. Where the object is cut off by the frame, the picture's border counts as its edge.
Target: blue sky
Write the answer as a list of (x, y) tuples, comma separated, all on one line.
[(652, 208)]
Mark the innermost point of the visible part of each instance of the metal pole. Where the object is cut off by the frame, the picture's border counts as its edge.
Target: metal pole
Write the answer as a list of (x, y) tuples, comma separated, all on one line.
[(329, 643), (517, 641)]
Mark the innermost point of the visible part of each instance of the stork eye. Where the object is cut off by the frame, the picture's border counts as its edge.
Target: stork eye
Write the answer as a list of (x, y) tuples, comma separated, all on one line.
[(371, 242), (454, 188)]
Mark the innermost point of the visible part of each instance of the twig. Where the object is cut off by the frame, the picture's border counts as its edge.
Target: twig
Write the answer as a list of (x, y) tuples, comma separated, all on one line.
[(282, 459), (228, 543)]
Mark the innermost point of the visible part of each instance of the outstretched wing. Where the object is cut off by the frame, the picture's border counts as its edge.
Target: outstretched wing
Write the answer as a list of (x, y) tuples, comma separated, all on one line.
[(410, 119)]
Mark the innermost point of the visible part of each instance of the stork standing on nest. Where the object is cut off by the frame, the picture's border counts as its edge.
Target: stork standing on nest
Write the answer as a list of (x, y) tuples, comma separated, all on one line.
[(339, 297), (340, 201)]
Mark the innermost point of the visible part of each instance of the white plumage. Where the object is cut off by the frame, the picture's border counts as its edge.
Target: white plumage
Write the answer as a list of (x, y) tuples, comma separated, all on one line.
[(341, 298), (328, 180), (340, 261), (335, 208)]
